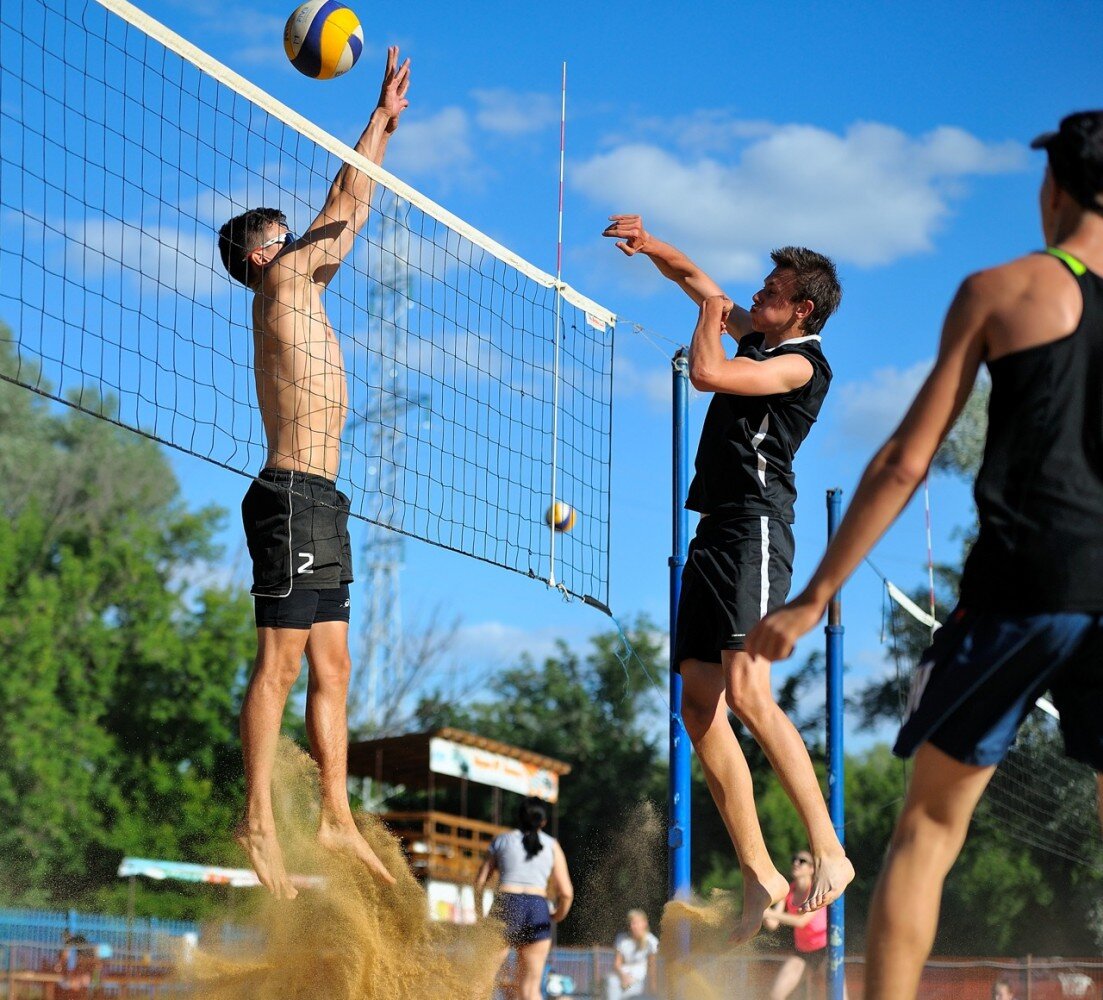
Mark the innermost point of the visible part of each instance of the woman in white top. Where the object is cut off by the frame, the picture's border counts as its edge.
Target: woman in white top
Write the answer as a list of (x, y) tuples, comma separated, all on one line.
[(526, 859), (633, 972)]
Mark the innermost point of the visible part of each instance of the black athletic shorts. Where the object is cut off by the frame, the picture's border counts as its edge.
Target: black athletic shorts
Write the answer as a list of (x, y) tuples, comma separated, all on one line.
[(302, 608), (738, 569), (813, 960), (296, 526)]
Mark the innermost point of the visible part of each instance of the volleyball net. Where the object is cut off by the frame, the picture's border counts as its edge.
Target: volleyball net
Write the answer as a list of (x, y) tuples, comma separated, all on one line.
[(479, 387)]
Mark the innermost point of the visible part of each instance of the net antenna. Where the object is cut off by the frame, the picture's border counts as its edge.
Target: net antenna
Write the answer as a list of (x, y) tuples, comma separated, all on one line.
[(558, 320), (124, 148)]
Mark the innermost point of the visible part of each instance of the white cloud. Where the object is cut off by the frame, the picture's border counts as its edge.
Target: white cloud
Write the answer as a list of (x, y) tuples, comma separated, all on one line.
[(511, 113), (498, 644), (869, 196), (159, 257), (653, 384), (438, 146), (869, 410)]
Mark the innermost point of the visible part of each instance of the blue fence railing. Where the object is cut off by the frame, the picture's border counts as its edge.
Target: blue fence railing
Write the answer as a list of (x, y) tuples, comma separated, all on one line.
[(48, 929)]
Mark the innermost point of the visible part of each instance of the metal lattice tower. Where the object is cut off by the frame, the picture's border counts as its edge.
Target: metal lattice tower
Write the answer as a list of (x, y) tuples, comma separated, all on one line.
[(381, 652)]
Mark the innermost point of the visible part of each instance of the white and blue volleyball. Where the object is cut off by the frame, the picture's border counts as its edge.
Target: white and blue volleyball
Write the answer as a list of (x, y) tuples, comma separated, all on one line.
[(560, 516), (323, 39)]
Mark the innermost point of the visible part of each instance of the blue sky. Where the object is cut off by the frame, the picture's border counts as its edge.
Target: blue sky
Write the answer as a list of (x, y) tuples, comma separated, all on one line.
[(892, 137)]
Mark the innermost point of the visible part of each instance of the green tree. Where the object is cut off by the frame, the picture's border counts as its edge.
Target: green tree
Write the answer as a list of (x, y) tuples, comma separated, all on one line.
[(122, 670)]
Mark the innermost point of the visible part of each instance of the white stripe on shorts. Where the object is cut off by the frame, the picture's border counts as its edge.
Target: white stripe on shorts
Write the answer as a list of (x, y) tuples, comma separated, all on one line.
[(764, 571)]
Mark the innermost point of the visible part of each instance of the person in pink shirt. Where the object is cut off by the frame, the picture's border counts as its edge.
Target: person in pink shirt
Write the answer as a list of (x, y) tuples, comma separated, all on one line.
[(809, 931)]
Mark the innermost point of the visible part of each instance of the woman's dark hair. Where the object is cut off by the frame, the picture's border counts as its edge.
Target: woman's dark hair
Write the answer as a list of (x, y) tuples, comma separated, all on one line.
[(532, 814)]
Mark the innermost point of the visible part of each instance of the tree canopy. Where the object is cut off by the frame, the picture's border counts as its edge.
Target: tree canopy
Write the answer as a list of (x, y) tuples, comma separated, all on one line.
[(123, 668)]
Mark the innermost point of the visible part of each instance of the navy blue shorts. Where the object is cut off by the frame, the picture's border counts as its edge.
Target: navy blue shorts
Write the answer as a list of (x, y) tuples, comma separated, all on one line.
[(526, 918), (982, 674)]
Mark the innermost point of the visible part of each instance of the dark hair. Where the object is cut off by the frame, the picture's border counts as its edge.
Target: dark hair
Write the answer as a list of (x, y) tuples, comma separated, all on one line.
[(532, 814), (238, 237), (816, 280), (1075, 154)]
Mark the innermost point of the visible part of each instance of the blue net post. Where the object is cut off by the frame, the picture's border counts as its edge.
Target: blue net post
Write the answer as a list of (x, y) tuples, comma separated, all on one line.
[(679, 831), (836, 913)]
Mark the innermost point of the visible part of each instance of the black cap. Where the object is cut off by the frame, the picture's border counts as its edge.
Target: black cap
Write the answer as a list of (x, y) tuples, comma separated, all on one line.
[(1076, 156)]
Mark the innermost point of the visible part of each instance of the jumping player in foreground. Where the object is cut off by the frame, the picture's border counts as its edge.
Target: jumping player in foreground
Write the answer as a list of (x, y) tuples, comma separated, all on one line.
[(740, 563), (1030, 616), (296, 521)]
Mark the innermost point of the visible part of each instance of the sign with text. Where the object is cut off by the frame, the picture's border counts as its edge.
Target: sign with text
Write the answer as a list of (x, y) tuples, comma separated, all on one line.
[(494, 769)]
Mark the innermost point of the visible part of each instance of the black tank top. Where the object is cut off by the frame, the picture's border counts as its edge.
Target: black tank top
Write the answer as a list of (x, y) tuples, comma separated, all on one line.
[(744, 462), (1039, 492)]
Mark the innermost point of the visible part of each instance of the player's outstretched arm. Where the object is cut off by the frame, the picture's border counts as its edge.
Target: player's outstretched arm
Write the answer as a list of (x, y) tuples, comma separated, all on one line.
[(893, 475), (348, 204), (632, 239)]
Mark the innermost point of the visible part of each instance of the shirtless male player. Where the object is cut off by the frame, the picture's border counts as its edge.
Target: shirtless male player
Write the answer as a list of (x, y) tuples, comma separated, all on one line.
[(1030, 612), (764, 402), (296, 521)]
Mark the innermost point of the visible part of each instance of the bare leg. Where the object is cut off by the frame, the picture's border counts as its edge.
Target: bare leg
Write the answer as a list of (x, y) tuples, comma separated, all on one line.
[(279, 659), (903, 916), (327, 727), (788, 977), (752, 700), (729, 779), (531, 959), (508, 988)]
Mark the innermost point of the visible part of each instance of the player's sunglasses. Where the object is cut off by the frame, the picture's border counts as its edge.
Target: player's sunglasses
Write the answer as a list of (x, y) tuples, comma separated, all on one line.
[(798, 860), (286, 239)]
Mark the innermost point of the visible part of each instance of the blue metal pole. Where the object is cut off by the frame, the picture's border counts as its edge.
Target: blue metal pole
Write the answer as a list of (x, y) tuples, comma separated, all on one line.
[(836, 913), (678, 793)]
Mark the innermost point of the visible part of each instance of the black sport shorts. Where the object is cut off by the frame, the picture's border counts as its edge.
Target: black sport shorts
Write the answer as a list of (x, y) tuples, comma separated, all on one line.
[(296, 526), (738, 569), (302, 608)]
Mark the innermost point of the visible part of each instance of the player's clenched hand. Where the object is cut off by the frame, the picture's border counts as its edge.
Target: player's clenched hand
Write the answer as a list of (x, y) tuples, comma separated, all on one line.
[(396, 81), (775, 636), (629, 232)]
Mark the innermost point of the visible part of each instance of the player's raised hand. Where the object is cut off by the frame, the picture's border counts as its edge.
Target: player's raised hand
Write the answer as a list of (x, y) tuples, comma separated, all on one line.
[(396, 82), (717, 304), (775, 636), (629, 232)]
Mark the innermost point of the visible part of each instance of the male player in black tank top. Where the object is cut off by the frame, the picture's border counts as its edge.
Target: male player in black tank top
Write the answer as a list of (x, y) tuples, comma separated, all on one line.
[(1030, 617), (765, 401)]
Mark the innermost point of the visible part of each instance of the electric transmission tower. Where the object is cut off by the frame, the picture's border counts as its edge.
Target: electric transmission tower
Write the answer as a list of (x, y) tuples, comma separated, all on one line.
[(381, 660)]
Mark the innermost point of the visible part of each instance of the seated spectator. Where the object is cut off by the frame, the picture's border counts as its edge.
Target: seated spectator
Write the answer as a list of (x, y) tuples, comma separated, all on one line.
[(79, 968), (633, 972)]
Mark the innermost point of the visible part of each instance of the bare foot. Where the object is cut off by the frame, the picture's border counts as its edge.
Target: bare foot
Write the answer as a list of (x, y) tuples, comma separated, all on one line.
[(345, 838), (266, 857), (833, 873), (758, 896)]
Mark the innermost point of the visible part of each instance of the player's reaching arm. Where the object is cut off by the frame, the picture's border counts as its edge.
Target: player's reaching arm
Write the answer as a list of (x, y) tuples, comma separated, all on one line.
[(346, 209), (896, 470), (561, 882), (711, 370), (486, 870), (632, 239)]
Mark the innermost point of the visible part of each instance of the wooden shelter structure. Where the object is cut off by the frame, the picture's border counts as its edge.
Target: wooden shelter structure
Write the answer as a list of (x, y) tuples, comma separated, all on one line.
[(445, 848)]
